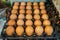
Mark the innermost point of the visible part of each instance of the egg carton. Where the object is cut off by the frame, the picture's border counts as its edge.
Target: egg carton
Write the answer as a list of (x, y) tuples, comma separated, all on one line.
[(34, 36)]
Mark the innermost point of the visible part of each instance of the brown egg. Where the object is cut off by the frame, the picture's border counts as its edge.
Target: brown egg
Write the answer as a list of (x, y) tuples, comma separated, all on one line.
[(39, 30), (28, 11), (22, 7), (42, 7), (14, 12), (28, 7), (37, 22), (29, 3), (49, 30), (46, 22), (29, 30), (11, 22), (35, 7), (10, 30), (15, 7), (22, 11), (16, 3), (29, 22), (23, 3), (41, 3), (20, 22), (43, 11), (28, 16), (21, 16), (45, 16), (35, 3), (36, 11), (19, 30), (36, 17), (13, 16)]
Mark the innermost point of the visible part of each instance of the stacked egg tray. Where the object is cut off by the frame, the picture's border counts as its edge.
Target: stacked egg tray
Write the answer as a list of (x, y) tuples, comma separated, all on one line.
[(52, 13)]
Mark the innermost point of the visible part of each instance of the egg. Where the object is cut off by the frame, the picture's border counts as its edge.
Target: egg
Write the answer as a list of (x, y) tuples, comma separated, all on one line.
[(14, 12), (11, 22), (41, 3), (46, 22), (28, 11), (22, 7), (49, 30), (21, 16), (45, 16), (29, 22), (15, 7), (43, 11), (13, 16), (28, 7), (10, 30), (20, 22), (29, 3), (39, 30), (36, 11), (35, 3), (35, 7), (28, 16), (36, 17), (37, 23), (19, 30), (29, 30), (42, 7), (23, 3), (22, 11), (16, 3)]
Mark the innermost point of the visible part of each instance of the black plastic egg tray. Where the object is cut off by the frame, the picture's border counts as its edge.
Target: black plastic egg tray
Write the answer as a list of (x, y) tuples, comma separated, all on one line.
[(52, 13)]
